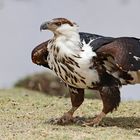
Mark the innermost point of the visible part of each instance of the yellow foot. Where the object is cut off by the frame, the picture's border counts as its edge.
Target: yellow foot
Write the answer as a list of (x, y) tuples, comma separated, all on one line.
[(95, 121)]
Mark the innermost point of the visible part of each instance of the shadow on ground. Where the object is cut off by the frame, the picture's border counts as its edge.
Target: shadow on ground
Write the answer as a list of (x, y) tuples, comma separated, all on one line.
[(123, 122)]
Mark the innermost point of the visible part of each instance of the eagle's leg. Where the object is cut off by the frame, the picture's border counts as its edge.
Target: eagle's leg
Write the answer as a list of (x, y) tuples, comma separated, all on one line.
[(111, 99), (77, 98)]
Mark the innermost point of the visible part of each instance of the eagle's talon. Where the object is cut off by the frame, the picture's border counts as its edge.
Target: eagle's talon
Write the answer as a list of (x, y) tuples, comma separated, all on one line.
[(65, 119), (96, 121)]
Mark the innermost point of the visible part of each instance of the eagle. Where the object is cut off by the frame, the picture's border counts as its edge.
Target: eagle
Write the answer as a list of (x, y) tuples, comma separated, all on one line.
[(89, 61)]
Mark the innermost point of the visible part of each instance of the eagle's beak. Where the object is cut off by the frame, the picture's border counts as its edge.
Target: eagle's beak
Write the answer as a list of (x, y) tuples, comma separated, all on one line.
[(44, 26)]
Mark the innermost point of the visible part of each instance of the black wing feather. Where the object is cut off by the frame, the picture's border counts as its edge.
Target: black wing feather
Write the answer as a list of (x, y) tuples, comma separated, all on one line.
[(96, 41), (87, 37)]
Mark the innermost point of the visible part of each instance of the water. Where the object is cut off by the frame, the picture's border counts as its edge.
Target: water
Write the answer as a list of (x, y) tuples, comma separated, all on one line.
[(20, 21)]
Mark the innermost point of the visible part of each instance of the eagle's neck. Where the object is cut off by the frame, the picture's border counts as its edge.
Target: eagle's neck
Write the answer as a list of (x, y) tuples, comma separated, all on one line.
[(68, 41)]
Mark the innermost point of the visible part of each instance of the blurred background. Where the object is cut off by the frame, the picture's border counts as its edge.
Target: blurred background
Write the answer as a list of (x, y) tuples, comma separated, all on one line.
[(19, 30)]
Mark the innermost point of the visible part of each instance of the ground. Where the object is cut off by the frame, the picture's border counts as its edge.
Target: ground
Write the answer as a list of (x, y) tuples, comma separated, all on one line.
[(24, 115)]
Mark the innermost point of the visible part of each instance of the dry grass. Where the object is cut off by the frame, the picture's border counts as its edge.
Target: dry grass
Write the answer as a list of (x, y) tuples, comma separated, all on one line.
[(23, 116)]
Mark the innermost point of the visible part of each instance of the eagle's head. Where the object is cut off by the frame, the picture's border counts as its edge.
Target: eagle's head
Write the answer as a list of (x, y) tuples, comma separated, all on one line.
[(59, 26)]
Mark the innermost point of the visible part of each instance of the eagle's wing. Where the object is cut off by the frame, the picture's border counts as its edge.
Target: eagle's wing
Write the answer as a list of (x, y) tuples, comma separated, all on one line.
[(125, 51), (39, 54)]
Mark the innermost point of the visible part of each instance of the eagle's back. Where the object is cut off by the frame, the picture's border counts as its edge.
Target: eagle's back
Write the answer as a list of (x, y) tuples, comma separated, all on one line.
[(94, 40), (125, 52)]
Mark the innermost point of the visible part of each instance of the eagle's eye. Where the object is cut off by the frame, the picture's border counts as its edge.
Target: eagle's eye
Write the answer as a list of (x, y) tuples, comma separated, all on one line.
[(57, 23)]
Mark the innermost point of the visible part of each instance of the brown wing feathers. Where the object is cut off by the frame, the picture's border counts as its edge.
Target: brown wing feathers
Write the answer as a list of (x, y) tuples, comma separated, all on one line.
[(39, 54), (123, 50)]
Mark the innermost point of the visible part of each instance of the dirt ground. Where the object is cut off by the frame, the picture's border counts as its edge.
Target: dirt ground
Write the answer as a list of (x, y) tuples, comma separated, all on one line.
[(24, 115)]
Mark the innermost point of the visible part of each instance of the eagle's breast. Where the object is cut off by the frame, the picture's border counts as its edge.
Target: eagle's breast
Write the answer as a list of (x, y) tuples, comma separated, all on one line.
[(73, 66)]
